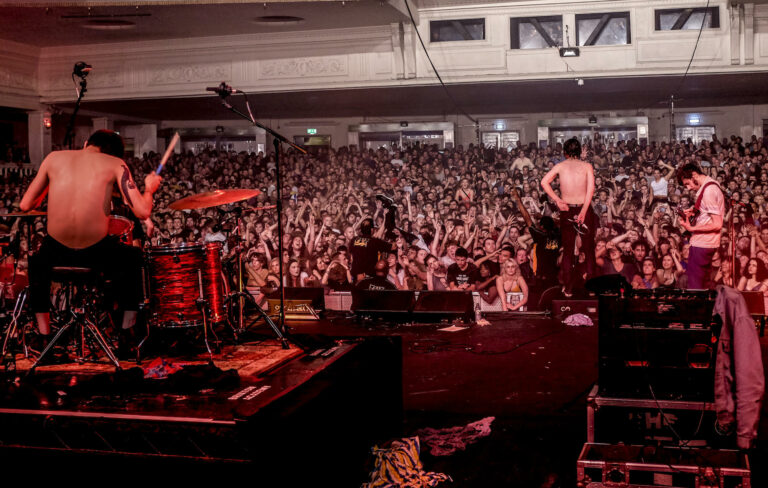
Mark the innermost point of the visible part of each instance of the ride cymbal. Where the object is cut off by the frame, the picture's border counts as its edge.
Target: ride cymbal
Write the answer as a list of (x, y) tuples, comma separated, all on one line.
[(213, 199)]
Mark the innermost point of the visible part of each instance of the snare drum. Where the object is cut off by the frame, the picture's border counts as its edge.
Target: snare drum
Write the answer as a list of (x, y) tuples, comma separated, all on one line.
[(122, 228), (176, 275)]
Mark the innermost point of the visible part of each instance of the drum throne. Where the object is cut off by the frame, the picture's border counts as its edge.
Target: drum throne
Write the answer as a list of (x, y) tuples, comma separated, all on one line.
[(82, 299)]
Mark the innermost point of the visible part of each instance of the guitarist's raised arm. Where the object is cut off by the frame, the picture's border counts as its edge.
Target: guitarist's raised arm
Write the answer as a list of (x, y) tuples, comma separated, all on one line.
[(521, 208)]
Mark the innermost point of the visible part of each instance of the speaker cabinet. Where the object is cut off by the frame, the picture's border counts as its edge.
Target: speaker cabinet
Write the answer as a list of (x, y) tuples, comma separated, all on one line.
[(434, 306)]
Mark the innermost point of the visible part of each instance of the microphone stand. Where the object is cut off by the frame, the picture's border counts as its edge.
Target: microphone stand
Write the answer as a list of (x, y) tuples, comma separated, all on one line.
[(69, 138), (732, 234), (277, 138)]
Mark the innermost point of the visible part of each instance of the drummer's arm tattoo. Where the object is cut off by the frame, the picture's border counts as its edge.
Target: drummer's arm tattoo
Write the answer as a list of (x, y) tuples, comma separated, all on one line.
[(126, 183)]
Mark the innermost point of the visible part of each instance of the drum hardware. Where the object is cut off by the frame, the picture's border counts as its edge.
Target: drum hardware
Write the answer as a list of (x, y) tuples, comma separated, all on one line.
[(243, 296), (122, 228), (82, 311), (202, 304), (14, 330)]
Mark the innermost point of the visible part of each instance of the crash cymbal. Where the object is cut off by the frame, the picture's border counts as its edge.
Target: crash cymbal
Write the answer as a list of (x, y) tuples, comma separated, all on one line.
[(31, 213), (213, 199)]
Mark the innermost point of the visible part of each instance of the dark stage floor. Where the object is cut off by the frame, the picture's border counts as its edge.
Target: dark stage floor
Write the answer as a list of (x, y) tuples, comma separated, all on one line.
[(532, 374)]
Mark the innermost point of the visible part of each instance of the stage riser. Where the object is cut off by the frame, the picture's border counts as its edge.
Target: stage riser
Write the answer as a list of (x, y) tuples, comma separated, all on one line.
[(328, 422)]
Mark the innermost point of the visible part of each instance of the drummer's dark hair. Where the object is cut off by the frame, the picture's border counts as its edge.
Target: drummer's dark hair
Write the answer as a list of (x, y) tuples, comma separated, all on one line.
[(108, 142)]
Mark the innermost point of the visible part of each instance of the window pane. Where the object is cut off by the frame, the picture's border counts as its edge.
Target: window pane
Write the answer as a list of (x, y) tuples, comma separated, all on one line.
[(525, 35), (585, 28), (694, 22), (614, 33), (457, 30), (555, 31), (530, 38), (666, 21)]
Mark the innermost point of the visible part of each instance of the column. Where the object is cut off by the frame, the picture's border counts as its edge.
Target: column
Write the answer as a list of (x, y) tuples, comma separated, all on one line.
[(734, 12), (39, 137), (102, 123), (144, 138)]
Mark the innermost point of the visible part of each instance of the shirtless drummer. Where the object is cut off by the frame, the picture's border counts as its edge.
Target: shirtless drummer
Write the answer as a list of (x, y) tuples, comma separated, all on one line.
[(79, 186), (577, 187)]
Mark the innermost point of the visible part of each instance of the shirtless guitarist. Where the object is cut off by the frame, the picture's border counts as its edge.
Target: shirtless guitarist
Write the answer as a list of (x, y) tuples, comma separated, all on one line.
[(577, 187)]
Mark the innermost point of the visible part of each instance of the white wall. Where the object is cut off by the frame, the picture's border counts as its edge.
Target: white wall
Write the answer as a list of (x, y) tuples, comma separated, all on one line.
[(380, 56)]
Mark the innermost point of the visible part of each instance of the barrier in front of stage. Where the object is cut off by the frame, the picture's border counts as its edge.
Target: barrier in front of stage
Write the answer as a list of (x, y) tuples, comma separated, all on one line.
[(342, 301)]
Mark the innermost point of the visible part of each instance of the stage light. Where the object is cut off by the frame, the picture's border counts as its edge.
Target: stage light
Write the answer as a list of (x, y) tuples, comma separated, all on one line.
[(47, 120), (694, 119), (569, 52)]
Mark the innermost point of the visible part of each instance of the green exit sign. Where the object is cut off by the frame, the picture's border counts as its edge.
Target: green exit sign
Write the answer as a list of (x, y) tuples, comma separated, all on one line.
[(311, 131)]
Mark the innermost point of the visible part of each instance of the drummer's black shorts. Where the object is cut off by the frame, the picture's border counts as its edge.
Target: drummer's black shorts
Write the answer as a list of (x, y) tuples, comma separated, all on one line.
[(120, 266)]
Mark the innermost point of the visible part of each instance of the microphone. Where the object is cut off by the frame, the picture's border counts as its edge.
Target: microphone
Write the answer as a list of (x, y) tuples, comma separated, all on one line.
[(81, 69), (223, 90)]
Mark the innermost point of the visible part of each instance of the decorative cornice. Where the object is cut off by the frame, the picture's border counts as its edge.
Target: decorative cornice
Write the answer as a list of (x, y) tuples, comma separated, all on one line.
[(304, 67), (16, 79), (360, 39), (188, 73)]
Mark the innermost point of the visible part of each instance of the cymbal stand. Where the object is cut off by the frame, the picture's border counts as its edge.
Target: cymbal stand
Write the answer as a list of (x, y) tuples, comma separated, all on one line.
[(205, 309), (244, 296), (14, 329)]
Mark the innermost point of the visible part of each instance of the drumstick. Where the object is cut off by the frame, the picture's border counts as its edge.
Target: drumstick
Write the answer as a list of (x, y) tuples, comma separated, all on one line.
[(168, 152)]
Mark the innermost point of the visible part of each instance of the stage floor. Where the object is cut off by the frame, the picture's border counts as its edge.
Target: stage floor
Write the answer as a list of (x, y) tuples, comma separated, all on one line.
[(533, 374)]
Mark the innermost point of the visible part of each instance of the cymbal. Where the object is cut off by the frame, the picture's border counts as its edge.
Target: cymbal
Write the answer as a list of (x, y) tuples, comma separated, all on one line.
[(31, 213), (213, 199)]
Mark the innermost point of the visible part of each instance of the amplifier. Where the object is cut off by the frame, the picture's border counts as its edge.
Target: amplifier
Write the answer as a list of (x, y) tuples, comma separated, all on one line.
[(658, 344), (562, 309), (294, 309)]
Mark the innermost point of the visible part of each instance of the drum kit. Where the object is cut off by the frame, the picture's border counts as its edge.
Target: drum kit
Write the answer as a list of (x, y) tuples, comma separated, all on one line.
[(185, 284)]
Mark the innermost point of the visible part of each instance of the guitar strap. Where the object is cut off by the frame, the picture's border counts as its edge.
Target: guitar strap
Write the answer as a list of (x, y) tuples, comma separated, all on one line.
[(697, 205)]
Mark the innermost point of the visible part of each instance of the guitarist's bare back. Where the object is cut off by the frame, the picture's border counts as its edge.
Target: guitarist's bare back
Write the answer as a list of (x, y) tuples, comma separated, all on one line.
[(574, 179)]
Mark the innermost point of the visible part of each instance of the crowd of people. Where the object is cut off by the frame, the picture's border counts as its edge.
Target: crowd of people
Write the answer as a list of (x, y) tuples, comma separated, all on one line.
[(453, 217)]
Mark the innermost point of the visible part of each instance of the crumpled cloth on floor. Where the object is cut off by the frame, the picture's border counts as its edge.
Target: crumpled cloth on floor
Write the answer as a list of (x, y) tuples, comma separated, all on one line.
[(161, 368), (444, 442), (399, 467), (578, 319)]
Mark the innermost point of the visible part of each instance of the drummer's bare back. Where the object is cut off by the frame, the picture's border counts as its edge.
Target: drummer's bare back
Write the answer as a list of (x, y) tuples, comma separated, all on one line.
[(79, 187)]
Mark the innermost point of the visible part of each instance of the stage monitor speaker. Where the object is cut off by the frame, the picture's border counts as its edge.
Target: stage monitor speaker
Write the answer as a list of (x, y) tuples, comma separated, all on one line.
[(390, 304), (434, 306), (564, 308), (607, 283)]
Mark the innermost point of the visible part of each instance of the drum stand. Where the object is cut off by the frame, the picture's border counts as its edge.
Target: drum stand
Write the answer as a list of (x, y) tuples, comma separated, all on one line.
[(205, 309), (243, 296), (83, 315), (15, 330)]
